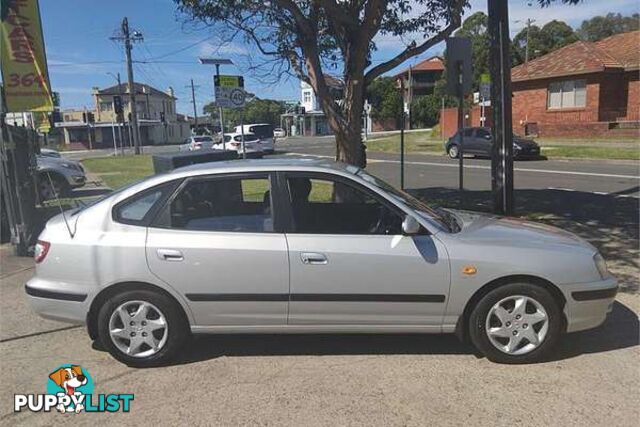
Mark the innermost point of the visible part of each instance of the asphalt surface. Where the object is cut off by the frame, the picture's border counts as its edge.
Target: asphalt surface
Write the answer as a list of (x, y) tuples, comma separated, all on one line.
[(322, 380)]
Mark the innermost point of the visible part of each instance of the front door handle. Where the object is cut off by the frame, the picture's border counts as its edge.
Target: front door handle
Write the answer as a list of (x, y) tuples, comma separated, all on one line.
[(170, 255), (313, 258)]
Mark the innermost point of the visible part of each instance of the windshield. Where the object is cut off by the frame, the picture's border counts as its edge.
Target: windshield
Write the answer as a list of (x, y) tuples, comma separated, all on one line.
[(441, 217)]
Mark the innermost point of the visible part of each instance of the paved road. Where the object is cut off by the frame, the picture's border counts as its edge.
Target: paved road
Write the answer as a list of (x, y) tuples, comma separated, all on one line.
[(598, 176)]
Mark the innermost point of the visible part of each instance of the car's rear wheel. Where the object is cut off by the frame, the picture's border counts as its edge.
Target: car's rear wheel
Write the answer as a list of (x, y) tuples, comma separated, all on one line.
[(142, 328), (516, 323), (50, 186), (453, 151)]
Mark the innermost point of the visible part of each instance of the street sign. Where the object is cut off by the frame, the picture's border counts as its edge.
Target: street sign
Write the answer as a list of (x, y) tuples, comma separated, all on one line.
[(230, 91), (485, 86)]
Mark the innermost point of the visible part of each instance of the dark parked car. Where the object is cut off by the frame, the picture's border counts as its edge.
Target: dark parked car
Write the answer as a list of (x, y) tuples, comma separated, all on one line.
[(478, 142)]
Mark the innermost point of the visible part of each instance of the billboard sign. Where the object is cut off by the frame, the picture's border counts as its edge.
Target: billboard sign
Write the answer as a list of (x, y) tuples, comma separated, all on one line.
[(23, 58)]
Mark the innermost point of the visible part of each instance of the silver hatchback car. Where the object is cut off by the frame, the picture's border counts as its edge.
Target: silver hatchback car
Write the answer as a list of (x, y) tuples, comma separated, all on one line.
[(275, 246)]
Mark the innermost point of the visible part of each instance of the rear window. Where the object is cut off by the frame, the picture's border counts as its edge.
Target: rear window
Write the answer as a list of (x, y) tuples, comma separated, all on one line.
[(262, 131), (203, 139)]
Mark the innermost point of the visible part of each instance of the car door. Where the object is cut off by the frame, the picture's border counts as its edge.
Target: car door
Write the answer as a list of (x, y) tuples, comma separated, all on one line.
[(483, 141), (470, 143), (215, 242), (349, 262)]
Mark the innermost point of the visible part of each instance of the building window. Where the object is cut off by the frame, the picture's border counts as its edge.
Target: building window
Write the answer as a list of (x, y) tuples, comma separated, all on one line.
[(105, 106), (567, 94), (306, 96)]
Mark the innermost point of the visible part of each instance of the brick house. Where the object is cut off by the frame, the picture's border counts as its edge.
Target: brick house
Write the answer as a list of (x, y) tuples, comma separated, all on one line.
[(582, 89)]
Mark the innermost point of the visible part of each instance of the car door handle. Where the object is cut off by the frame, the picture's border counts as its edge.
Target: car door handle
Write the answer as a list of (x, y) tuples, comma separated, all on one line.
[(170, 255), (313, 258)]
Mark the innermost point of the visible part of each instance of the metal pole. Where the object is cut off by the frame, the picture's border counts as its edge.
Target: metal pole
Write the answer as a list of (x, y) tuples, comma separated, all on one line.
[(244, 151), (132, 96), (121, 115), (195, 110), (115, 146), (220, 113), (499, 66), (404, 118), (460, 127)]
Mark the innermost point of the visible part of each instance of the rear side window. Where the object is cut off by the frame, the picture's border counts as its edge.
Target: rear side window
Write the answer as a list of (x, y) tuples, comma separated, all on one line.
[(231, 204), (140, 208)]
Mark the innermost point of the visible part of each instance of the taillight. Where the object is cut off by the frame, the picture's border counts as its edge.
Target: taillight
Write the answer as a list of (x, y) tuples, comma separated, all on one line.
[(41, 251)]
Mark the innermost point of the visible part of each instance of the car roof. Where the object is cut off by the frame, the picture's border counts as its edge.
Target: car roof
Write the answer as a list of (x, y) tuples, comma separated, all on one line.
[(259, 165)]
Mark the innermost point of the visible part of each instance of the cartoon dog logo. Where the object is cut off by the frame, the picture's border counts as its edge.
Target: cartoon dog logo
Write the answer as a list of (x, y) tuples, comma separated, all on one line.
[(69, 379)]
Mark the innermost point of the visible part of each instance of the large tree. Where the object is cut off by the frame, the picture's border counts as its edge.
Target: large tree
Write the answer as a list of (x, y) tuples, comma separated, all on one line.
[(599, 27), (256, 111), (308, 37), (553, 35)]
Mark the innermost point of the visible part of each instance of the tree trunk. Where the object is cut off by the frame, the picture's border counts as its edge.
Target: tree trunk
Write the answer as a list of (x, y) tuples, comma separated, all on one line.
[(348, 128)]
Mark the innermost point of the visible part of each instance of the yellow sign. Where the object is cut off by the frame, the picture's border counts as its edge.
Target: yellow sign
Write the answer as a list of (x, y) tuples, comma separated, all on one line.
[(228, 81), (24, 64), (42, 123)]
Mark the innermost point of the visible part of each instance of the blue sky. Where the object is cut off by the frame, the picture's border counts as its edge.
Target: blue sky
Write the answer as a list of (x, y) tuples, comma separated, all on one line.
[(80, 53)]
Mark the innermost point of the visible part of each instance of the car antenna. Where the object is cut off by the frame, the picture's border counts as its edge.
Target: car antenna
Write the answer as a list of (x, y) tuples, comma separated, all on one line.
[(64, 217)]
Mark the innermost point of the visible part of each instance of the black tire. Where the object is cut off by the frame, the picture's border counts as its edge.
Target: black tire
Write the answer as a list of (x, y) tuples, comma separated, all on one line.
[(478, 317), (46, 191), (177, 328), (453, 151)]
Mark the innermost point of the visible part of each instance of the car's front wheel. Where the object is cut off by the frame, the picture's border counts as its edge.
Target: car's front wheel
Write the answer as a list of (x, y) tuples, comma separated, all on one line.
[(453, 151), (142, 328), (516, 323)]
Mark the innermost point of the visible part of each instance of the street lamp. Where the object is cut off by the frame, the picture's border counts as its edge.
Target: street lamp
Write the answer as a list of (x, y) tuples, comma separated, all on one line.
[(217, 62)]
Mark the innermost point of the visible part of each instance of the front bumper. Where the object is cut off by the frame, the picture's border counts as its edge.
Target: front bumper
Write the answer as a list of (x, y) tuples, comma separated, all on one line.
[(53, 300), (588, 303)]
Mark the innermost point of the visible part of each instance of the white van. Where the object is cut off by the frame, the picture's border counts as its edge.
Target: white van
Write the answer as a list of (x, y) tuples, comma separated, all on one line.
[(264, 132)]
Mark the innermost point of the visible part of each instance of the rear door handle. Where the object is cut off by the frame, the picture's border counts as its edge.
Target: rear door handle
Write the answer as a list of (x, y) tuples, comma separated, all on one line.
[(313, 258), (170, 255)]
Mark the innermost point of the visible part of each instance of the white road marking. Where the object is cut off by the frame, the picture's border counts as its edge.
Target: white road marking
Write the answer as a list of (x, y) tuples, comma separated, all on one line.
[(467, 166), (600, 193)]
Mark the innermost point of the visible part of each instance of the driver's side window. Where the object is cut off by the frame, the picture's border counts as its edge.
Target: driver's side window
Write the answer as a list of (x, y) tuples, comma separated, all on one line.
[(322, 205)]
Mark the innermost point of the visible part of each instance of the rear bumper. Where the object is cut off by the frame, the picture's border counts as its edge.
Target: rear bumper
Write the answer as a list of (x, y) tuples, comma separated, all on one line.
[(589, 303), (62, 303)]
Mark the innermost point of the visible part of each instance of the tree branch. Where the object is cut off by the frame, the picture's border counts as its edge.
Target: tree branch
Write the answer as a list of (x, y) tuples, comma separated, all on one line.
[(412, 51)]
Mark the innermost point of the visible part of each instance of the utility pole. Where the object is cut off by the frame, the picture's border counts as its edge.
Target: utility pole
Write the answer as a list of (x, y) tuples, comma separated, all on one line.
[(195, 110), (500, 69), (128, 38), (529, 21)]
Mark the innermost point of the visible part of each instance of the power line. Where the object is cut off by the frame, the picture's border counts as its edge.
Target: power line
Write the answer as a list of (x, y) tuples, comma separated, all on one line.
[(183, 48)]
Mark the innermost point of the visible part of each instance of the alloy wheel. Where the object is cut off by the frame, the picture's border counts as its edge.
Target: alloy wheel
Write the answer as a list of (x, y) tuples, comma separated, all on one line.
[(138, 328), (517, 325), (49, 190), (453, 151)]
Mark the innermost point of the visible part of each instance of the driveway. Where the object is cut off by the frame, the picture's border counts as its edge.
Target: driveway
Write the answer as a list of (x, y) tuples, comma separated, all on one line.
[(328, 380)]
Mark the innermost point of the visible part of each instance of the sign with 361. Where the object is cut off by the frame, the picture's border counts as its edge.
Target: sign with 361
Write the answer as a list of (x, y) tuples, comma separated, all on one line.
[(22, 54)]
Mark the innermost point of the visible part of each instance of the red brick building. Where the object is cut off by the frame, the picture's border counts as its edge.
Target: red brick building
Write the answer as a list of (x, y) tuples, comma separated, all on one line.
[(582, 89)]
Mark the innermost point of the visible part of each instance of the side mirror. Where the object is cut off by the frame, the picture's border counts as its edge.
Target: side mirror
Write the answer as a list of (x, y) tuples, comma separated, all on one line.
[(410, 225)]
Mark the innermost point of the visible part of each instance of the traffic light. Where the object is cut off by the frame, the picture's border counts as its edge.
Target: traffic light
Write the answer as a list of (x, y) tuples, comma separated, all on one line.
[(117, 104)]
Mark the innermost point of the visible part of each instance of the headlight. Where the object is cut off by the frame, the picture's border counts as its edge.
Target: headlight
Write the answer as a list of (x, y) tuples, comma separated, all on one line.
[(601, 265), (516, 146)]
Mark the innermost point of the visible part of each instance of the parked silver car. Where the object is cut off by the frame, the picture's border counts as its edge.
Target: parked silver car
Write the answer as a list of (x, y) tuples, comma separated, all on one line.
[(282, 246), (57, 176)]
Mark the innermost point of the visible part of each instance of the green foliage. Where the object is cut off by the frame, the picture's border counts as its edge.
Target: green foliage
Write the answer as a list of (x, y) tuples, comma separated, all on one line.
[(256, 111), (425, 110), (600, 27), (553, 35), (385, 99)]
